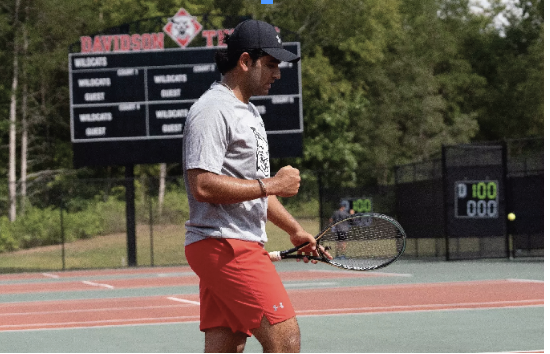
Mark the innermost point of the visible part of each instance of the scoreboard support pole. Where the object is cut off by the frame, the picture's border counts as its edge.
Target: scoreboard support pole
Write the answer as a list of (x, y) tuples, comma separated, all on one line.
[(321, 199), (130, 216), (507, 202), (445, 203)]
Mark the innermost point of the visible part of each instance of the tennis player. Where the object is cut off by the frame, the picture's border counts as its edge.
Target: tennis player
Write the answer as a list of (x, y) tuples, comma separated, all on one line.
[(342, 228), (231, 197)]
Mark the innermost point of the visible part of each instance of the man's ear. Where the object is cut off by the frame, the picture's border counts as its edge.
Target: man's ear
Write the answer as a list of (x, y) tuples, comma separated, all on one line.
[(245, 61)]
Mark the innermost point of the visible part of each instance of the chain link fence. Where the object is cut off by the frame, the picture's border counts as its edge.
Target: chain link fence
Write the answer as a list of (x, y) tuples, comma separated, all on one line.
[(68, 222), (458, 207), (72, 223)]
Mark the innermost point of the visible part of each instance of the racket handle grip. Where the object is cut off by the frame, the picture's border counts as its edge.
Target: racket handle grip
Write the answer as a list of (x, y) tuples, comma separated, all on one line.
[(275, 256)]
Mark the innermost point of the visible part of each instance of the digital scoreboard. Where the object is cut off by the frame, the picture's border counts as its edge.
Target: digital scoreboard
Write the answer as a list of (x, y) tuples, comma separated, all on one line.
[(359, 205), (130, 107), (476, 199)]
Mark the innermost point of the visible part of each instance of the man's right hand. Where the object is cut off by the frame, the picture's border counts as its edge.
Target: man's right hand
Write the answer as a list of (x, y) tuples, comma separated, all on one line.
[(285, 183)]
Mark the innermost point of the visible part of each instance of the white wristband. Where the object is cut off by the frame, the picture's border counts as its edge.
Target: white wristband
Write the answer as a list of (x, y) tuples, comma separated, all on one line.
[(275, 256)]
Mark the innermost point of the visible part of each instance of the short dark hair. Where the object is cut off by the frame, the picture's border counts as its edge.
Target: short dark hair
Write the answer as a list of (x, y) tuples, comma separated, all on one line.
[(227, 60)]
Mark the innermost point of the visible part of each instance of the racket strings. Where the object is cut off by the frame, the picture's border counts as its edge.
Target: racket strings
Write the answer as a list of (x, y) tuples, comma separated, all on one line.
[(364, 242)]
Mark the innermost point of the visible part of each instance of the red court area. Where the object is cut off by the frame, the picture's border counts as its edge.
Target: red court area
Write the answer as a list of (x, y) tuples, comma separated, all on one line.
[(158, 278), (319, 301)]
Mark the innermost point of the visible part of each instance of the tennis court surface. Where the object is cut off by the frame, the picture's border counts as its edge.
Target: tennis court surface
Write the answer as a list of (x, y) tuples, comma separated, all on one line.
[(411, 306)]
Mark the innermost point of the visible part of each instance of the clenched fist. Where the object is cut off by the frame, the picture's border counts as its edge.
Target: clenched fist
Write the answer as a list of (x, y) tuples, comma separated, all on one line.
[(286, 182)]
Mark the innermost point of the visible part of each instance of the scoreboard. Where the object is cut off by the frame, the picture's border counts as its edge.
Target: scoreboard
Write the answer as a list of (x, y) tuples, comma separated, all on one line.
[(476, 199), (130, 108), (359, 205)]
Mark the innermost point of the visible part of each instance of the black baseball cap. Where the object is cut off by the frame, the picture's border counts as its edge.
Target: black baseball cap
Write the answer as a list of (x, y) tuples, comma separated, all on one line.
[(254, 34)]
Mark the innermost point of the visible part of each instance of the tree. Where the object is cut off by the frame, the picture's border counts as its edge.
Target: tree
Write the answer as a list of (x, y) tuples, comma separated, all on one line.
[(512, 62), (339, 41), (329, 102), (385, 82), (12, 182), (24, 111), (419, 93)]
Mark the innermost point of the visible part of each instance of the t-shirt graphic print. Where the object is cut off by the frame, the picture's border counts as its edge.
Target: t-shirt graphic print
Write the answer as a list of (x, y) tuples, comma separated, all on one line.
[(262, 153)]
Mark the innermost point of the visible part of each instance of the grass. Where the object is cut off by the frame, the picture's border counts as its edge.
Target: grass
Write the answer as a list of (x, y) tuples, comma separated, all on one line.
[(110, 251)]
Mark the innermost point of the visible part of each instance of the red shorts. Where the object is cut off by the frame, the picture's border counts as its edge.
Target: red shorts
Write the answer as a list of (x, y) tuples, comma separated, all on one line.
[(238, 285)]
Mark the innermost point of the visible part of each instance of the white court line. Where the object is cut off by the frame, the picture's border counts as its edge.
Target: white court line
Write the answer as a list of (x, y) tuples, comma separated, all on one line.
[(458, 309), (184, 301), (98, 322), (399, 286), (444, 307), (299, 285), (32, 313), (370, 272), (392, 274), (525, 280), (100, 326), (176, 274), (93, 299), (189, 319), (48, 275), (98, 284), (518, 351)]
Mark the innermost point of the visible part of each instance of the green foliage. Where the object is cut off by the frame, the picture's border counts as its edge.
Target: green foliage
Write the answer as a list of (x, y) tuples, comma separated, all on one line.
[(385, 82), (96, 217), (331, 102), (81, 225), (110, 216), (512, 62), (38, 227), (175, 209), (7, 239), (304, 210)]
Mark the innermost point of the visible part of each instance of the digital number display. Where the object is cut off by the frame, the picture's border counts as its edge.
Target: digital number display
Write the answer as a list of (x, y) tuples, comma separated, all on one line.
[(476, 199), (359, 205)]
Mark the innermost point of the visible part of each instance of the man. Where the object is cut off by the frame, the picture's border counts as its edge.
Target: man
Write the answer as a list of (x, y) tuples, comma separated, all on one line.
[(231, 197), (342, 228)]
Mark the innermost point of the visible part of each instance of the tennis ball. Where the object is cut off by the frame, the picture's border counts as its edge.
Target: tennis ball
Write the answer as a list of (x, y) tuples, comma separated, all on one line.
[(511, 216)]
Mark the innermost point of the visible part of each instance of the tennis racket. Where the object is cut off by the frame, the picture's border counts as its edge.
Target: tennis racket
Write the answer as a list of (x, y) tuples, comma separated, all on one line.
[(359, 242)]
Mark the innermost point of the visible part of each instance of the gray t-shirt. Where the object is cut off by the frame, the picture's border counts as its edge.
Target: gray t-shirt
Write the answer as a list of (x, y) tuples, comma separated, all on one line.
[(339, 215), (227, 137)]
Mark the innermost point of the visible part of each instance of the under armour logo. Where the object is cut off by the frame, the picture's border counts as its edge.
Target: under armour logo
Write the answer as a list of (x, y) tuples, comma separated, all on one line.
[(279, 39), (275, 307)]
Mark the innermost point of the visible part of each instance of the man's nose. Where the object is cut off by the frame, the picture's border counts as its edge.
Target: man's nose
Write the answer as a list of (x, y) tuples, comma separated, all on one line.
[(277, 73)]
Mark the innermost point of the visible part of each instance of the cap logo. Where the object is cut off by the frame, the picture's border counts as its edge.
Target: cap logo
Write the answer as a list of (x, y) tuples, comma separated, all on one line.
[(279, 39), (182, 28)]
